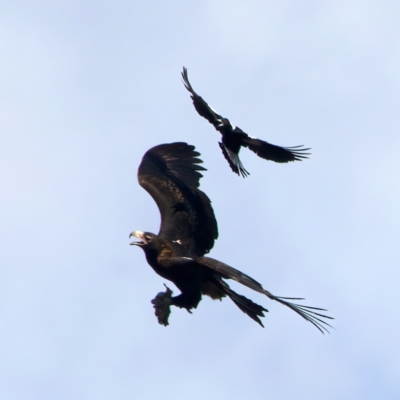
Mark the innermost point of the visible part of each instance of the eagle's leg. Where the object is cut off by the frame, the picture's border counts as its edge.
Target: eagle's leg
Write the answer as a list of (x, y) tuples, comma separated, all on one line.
[(187, 300)]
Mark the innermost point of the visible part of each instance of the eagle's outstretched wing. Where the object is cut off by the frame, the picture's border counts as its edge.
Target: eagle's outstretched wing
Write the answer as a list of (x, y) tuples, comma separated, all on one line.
[(310, 314), (170, 174)]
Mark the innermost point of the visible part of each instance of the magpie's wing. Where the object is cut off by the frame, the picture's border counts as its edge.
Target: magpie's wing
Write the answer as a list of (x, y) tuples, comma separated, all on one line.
[(310, 314), (271, 152), (200, 105), (170, 174)]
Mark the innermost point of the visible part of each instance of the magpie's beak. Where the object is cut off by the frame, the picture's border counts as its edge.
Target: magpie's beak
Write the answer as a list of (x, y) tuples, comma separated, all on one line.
[(140, 236)]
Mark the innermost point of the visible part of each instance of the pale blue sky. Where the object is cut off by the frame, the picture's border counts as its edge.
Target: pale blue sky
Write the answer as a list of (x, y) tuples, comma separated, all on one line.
[(87, 87)]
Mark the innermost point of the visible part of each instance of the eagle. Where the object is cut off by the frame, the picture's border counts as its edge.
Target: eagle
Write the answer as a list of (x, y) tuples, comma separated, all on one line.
[(233, 138), (170, 173)]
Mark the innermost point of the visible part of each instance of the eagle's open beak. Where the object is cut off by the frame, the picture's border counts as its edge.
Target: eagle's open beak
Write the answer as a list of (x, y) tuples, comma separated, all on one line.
[(139, 235)]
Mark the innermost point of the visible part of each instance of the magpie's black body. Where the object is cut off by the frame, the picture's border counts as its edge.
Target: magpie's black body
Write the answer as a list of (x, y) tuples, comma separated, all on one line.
[(170, 173), (233, 138)]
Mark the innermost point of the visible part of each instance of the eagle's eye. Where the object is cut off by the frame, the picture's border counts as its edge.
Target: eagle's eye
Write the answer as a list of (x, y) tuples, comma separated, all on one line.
[(148, 238)]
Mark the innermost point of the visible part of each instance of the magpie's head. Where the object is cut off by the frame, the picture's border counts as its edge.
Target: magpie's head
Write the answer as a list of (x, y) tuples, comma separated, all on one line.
[(225, 125), (223, 122)]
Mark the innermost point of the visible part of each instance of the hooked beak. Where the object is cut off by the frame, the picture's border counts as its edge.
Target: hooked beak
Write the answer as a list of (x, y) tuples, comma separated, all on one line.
[(139, 235)]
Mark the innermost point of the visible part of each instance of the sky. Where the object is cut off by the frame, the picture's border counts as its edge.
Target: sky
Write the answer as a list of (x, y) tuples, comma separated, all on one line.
[(87, 87)]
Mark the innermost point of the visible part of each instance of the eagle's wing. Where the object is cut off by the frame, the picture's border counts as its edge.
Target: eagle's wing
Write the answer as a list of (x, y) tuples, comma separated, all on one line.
[(310, 314), (271, 152), (170, 174), (200, 105)]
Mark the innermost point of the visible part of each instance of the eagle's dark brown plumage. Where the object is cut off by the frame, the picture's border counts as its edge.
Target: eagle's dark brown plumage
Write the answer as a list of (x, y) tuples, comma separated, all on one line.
[(170, 173)]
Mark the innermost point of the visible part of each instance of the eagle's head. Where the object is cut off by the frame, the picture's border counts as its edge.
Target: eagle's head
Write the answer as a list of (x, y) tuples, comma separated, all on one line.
[(146, 238)]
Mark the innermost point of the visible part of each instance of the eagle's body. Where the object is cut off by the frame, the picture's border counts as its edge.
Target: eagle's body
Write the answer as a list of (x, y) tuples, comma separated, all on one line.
[(169, 172)]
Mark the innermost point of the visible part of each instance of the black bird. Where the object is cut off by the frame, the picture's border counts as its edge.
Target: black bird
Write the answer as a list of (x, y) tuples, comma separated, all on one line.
[(233, 138), (170, 174)]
